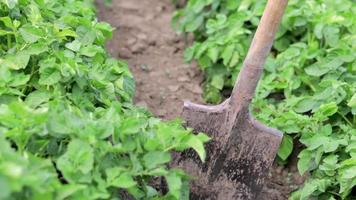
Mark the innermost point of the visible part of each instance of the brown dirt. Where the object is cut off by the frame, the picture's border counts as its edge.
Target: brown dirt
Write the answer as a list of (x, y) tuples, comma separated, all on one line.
[(154, 52)]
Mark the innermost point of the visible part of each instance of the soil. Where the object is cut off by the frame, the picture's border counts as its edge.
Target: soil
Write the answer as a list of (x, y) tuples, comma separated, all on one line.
[(154, 52)]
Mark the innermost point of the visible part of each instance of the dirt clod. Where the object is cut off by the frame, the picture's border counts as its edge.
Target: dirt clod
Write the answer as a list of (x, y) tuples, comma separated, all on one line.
[(183, 79), (173, 88)]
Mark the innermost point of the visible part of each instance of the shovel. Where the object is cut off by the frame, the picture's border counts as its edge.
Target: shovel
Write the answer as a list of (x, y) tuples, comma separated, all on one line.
[(242, 149)]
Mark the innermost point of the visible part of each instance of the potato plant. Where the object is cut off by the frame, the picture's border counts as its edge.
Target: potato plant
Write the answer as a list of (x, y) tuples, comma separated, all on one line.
[(309, 86), (68, 128)]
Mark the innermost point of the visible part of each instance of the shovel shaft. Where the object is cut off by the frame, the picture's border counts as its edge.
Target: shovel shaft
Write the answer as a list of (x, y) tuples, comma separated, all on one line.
[(262, 42)]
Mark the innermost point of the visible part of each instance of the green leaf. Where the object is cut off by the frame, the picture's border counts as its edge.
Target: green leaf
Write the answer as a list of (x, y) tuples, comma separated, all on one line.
[(174, 182), (189, 54), (74, 46), (7, 22), (329, 165), (318, 30), (197, 143), (86, 35), (331, 35), (37, 48), (323, 67), (67, 33), (213, 54), (326, 110), (194, 24), (68, 190), (2, 32), (151, 192), (315, 142), (156, 158), (286, 147), (19, 79), (305, 104), (304, 162), (218, 81), (10, 3), (105, 28), (5, 74), (352, 102), (15, 61), (232, 5), (312, 186), (125, 180), (117, 178), (90, 51), (235, 59), (227, 54), (6, 190), (131, 125), (36, 98), (347, 176), (49, 76), (31, 34), (78, 160)]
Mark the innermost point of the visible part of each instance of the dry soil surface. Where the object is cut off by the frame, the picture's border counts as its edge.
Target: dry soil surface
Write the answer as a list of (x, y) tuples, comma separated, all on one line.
[(154, 52)]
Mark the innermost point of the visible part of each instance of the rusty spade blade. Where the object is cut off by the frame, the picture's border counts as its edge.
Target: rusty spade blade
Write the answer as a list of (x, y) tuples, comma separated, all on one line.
[(242, 149)]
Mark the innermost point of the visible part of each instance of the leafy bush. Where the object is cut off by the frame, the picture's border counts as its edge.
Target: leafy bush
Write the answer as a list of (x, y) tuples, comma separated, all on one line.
[(308, 89), (68, 128)]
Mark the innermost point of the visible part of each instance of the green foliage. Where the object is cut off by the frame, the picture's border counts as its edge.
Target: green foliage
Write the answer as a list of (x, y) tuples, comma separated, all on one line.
[(68, 129), (309, 84)]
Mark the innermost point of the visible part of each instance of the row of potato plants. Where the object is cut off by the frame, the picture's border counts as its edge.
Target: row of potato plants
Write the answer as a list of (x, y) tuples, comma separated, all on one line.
[(68, 128), (308, 88)]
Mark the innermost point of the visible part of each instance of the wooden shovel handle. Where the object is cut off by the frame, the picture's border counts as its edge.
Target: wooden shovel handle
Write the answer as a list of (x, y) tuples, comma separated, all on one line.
[(262, 42)]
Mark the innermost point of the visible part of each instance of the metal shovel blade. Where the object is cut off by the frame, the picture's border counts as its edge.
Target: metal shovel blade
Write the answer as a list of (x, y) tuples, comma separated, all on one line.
[(236, 165)]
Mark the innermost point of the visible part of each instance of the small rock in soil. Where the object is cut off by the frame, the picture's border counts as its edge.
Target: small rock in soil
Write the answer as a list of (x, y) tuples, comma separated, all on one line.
[(279, 169), (131, 41), (142, 36), (173, 40), (175, 50), (173, 88), (195, 89), (124, 53), (174, 97), (285, 173), (298, 179), (169, 73), (137, 48), (152, 43), (150, 17), (183, 79), (160, 8), (186, 67), (191, 73), (145, 68)]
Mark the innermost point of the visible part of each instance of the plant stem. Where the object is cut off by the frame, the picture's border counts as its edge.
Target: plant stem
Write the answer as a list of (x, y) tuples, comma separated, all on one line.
[(345, 118)]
